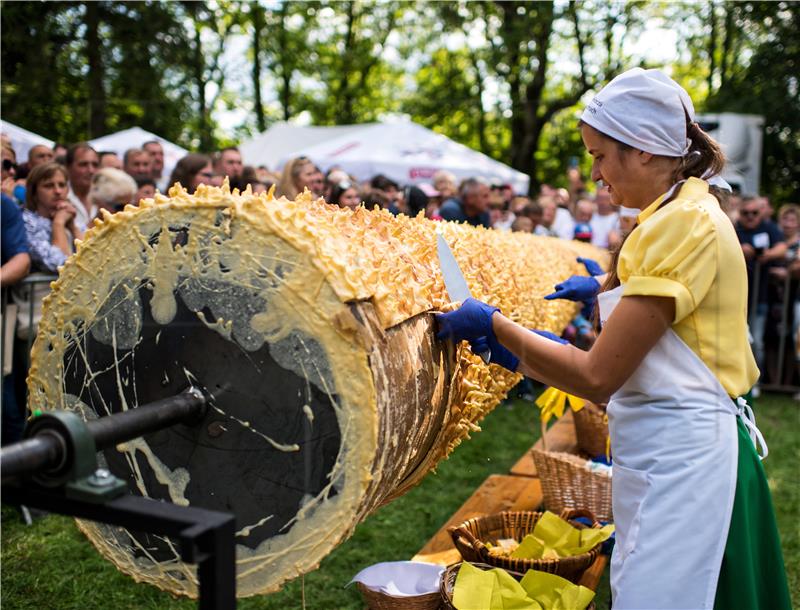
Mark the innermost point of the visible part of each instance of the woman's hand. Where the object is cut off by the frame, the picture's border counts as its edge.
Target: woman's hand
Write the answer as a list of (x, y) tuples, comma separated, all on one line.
[(469, 322), (592, 266), (7, 186), (576, 288), (63, 215)]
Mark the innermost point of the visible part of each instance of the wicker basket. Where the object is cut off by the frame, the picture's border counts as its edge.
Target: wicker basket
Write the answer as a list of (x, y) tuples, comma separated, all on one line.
[(471, 536), (566, 484), (376, 600), (591, 429), (448, 583)]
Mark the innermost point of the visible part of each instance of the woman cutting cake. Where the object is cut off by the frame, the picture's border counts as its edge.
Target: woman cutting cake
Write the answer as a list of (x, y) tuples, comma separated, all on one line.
[(694, 519)]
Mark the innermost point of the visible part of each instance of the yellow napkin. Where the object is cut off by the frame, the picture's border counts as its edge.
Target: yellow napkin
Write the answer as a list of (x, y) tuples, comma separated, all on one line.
[(553, 402), (552, 537), (552, 592), (496, 589)]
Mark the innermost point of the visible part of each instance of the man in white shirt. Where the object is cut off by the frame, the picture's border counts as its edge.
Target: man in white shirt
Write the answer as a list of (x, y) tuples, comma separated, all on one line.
[(82, 164), (156, 152)]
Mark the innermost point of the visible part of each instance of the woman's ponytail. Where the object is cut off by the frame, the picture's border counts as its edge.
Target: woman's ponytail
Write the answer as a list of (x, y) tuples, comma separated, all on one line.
[(705, 157)]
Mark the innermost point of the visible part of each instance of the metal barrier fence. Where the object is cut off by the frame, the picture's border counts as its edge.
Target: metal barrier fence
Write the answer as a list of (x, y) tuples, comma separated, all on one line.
[(25, 311), (783, 371)]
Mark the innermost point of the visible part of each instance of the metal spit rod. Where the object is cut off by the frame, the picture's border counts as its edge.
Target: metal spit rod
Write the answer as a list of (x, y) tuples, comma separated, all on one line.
[(48, 449)]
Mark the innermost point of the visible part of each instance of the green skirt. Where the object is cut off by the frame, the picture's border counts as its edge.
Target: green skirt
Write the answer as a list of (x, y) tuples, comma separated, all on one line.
[(752, 576)]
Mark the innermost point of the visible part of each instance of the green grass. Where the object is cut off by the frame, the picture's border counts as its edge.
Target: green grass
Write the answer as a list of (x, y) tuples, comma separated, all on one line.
[(51, 565)]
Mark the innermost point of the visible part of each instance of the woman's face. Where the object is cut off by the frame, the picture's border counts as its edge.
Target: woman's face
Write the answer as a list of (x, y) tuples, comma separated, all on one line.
[(204, 176), (305, 178), (609, 165), (446, 189), (50, 194), (789, 224), (349, 199)]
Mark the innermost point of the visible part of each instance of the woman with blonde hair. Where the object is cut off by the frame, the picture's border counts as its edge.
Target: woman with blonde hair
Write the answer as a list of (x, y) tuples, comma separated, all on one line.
[(298, 174)]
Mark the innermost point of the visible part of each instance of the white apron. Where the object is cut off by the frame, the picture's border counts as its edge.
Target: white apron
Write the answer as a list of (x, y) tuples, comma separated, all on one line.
[(675, 449)]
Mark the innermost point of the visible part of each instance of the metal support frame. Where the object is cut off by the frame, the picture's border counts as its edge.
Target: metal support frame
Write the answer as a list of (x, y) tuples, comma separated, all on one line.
[(206, 537), (55, 469)]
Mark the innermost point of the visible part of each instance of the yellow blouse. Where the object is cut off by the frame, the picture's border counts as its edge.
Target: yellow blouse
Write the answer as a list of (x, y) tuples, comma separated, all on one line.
[(688, 250)]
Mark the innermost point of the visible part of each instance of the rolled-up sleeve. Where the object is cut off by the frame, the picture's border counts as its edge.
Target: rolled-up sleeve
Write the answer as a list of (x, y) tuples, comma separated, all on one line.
[(44, 255), (672, 254)]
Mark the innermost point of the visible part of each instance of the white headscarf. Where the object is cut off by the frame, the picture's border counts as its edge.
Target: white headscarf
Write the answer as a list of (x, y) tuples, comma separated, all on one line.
[(645, 109)]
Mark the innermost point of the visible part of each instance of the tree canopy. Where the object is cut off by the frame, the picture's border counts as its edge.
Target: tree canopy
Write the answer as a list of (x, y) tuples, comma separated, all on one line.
[(504, 77)]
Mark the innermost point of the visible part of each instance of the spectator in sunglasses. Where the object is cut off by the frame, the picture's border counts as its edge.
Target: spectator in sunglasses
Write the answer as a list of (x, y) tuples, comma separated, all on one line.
[(762, 243), (9, 171), (192, 171), (112, 189)]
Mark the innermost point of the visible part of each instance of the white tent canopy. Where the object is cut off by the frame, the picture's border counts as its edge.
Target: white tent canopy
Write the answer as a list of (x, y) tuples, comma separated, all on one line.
[(405, 152), (22, 140), (271, 147), (134, 137)]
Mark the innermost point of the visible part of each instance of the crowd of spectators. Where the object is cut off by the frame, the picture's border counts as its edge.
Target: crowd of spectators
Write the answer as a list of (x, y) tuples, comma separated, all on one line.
[(49, 200)]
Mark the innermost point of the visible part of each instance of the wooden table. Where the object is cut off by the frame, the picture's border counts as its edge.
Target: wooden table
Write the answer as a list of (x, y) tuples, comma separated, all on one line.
[(560, 437), (497, 493), (520, 490)]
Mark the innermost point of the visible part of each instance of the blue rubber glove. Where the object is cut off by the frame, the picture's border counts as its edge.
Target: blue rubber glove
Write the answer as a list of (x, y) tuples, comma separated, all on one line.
[(576, 288), (499, 353), (552, 336), (591, 266), (469, 322)]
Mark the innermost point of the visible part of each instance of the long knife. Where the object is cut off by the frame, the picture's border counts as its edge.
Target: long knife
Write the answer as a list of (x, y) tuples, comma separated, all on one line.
[(454, 282)]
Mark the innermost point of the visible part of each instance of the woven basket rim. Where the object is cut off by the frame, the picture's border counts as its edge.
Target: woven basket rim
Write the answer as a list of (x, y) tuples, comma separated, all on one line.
[(448, 581), (563, 566), (422, 601)]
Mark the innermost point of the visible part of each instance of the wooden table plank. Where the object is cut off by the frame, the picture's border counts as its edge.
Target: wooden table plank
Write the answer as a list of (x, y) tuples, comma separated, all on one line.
[(497, 493), (560, 437)]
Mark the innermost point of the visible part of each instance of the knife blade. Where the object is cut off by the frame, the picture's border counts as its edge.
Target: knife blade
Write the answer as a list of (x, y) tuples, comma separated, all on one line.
[(454, 282)]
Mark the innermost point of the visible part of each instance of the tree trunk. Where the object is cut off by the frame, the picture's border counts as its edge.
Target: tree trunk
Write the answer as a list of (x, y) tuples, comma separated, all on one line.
[(257, 13), (345, 114), (481, 118), (284, 67), (727, 45), (712, 46), (96, 76), (198, 68)]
